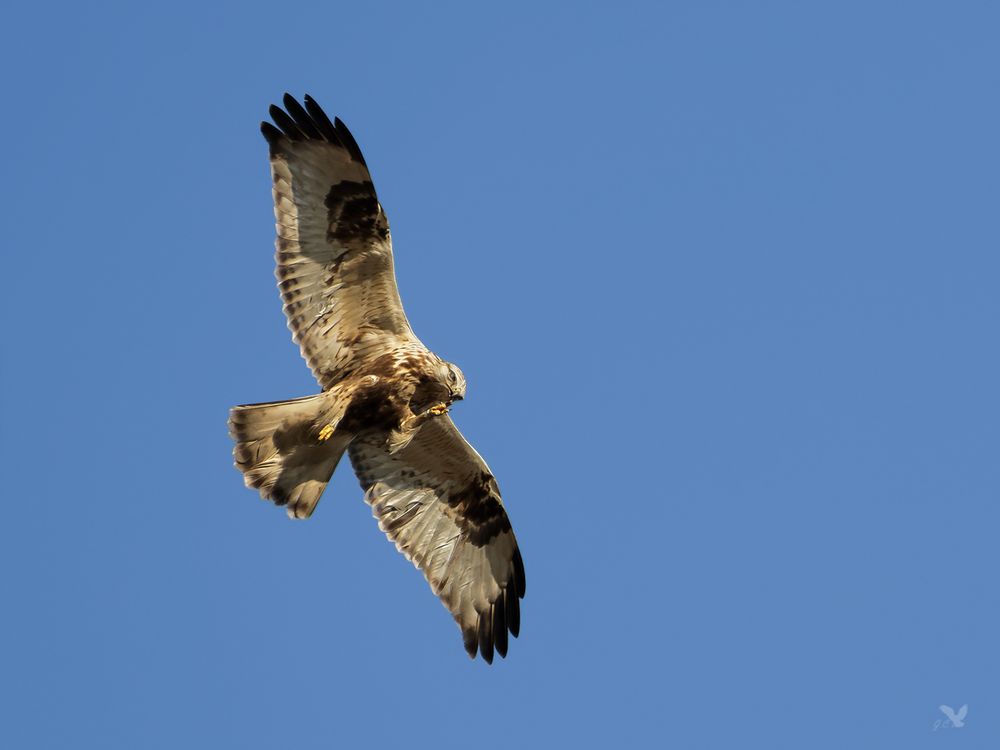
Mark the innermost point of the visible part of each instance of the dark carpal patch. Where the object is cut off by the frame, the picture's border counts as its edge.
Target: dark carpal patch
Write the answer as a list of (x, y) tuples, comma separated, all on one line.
[(353, 213), (480, 514)]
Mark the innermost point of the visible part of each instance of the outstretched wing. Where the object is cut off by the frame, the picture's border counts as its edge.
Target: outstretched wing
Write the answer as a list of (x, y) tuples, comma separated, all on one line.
[(437, 500), (334, 252)]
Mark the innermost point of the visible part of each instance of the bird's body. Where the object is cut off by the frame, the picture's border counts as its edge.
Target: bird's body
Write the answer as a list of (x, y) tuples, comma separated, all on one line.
[(385, 396)]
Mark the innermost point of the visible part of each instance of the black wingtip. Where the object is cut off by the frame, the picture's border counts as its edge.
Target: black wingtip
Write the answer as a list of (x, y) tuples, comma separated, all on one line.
[(271, 134), (519, 579), (486, 637), (500, 626), (285, 123), (302, 118), (513, 607), (470, 639), (308, 121), (348, 140), (322, 121)]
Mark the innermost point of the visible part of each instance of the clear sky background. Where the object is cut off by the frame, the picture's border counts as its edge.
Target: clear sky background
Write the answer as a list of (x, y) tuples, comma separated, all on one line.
[(724, 281)]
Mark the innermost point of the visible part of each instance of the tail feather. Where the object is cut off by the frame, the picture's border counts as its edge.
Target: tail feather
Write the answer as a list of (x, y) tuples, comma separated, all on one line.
[(280, 454)]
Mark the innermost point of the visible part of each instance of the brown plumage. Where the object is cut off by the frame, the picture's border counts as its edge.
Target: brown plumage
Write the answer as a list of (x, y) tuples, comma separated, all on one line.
[(385, 396)]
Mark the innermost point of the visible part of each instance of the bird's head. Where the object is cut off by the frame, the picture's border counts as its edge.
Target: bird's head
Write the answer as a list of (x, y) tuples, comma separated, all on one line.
[(452, 379)]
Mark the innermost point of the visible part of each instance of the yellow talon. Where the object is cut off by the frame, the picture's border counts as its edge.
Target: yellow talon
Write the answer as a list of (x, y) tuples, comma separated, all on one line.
[(439, 409), (325, 433)]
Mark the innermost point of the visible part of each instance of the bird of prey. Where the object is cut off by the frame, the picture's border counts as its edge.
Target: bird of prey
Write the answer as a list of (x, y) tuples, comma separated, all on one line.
[(385, 397)]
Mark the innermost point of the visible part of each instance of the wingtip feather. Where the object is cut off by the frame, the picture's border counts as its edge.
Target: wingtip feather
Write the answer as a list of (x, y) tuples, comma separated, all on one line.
[(519, 579), (271, 134), (348, 140), (470, 640), (500, 626), (486, 637)]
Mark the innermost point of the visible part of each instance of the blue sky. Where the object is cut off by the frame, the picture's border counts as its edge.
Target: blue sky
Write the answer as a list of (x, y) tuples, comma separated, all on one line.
[(722, 277)]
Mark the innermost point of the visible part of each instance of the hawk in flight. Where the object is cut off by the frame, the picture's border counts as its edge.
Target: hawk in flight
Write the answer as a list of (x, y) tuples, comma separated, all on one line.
[(385, 396)]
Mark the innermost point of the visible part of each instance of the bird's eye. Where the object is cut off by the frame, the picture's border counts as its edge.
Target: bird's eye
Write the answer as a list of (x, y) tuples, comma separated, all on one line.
[(451, 376)]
